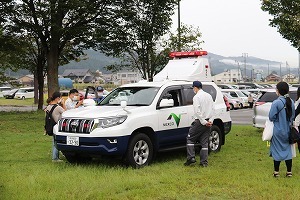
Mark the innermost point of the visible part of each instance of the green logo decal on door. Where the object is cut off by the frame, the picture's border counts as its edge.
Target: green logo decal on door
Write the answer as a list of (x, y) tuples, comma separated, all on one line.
[(176, 118)]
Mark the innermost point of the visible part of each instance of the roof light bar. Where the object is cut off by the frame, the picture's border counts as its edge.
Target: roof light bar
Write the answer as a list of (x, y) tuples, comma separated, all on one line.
[(185, 54)]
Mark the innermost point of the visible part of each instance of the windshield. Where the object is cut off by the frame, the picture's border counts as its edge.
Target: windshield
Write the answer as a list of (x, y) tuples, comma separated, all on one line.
[(21, 90), (240, 94), (135, 96)]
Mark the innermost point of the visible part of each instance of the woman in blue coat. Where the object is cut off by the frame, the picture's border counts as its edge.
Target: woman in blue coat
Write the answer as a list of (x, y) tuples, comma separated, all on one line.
[(282, 114)]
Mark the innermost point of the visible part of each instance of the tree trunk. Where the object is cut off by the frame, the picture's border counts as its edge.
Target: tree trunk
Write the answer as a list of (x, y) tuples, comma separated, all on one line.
[(40, 77), (35, 84), (52, 69)]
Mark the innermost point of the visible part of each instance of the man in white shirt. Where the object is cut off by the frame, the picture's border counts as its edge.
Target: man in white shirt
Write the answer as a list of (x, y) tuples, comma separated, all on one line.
[(74, 100), (200, 128)]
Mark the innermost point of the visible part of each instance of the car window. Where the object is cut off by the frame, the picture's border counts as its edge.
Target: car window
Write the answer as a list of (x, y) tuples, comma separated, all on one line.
[(189, 93), (233, 94), (271, 96), (174, 94)]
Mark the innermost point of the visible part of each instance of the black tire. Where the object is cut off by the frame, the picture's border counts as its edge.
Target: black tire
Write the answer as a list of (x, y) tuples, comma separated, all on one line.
[(74, 158), (23, 98), (231, 106), (215, 139), (140, 151)]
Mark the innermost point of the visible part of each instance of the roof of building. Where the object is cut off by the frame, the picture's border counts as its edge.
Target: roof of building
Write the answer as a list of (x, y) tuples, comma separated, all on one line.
[(75, 72)]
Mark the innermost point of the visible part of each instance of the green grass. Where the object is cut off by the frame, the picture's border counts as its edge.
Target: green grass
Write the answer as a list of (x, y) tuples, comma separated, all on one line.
[(16, 102), (242, 170)]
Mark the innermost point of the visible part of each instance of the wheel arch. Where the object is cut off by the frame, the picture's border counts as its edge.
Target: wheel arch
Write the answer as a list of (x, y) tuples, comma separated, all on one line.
[(149, 132)]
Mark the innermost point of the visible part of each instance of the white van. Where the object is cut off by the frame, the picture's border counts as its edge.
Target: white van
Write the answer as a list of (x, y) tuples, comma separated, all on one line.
[(25, 93), (5, 88), (137, 120)]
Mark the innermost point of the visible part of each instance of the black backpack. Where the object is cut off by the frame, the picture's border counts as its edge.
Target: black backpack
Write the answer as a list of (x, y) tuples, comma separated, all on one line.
[(49, 121)]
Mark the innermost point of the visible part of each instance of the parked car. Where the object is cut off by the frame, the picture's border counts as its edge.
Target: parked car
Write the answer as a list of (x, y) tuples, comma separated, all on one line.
[(5, 88), (252, 85), (225, 86), (25, 93), (263, 105), (138, 120), (10, 94), (239, 95), (233, 102)]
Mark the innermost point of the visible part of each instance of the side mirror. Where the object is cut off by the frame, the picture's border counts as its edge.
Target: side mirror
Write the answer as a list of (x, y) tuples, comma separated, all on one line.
[(166, 103), (123, 104), (89, 102), (167, 96)]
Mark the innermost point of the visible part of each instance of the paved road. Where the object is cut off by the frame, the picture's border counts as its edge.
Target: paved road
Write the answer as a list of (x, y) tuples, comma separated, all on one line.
[(242, 116)]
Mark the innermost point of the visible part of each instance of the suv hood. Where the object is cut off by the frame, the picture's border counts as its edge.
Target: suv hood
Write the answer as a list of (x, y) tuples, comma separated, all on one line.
[(93, 112)]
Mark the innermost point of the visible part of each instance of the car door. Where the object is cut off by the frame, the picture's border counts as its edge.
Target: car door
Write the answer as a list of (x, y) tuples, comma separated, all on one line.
[(173, 121)]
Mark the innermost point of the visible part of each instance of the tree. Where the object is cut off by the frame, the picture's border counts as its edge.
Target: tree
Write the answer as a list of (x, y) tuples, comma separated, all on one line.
[(285, 18), (190, 37), (57, 23), (143, 23)]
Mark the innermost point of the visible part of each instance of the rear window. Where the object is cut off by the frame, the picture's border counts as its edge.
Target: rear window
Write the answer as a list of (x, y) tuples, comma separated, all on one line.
[(271, 96)]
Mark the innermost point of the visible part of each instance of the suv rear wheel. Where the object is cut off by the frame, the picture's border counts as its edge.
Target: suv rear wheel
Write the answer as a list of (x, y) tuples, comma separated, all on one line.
[(140, 151), (215, 139)]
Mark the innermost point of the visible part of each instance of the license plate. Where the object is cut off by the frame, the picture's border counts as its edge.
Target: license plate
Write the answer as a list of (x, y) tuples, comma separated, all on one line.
[(71, 140)]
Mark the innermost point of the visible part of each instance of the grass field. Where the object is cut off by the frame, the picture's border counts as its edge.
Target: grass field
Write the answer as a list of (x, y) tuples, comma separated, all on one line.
[(16, 102), (242, 170)]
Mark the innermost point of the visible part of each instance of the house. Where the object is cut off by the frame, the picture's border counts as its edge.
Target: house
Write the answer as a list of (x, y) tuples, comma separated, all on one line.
[(27, 80), (127, 77), (290, 78), (273, 78), (79, 75), (228, 76)]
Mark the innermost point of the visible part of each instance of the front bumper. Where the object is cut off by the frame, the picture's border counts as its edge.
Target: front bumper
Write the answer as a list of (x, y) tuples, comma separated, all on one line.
[(94, 145)]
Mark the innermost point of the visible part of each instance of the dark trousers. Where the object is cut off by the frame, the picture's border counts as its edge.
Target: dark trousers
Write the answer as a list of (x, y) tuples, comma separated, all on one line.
[(200, 133), (288, 164)]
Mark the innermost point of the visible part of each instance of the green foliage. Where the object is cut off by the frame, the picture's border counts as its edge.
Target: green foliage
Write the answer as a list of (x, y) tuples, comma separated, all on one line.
[(138, 28), (190, 39), (242, 170), (285, 18)]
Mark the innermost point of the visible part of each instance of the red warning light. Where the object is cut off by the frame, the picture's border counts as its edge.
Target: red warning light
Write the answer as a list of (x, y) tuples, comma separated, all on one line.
[(185, 54)]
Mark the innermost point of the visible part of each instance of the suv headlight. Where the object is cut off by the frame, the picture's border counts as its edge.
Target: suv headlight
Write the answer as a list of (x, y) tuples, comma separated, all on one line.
[(111, 121)]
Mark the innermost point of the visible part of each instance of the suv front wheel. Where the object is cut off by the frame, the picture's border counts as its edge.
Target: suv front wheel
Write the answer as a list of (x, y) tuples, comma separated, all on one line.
[(215, 139), (140, 151)]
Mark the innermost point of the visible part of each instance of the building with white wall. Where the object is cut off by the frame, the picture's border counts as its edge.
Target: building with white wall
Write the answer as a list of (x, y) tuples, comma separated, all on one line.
[(228, 76)]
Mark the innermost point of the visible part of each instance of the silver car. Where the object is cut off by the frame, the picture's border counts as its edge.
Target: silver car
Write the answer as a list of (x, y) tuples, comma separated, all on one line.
[(263, 104), (233, 102)]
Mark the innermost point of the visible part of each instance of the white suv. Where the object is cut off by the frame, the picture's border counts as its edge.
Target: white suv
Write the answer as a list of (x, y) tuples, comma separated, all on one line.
[(150, 117)]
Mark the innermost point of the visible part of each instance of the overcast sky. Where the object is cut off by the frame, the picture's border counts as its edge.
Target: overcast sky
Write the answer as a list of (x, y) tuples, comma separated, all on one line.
[(233, 27)]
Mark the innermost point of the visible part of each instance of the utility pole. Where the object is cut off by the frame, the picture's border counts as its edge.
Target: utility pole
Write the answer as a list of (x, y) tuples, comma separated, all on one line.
[(179, 29), (245, 55), (268, 69), (239, 71), (280, 73)]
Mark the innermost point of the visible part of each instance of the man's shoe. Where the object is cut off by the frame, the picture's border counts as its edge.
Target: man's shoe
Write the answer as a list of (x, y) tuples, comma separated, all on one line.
[(190, 161), (203, 165)]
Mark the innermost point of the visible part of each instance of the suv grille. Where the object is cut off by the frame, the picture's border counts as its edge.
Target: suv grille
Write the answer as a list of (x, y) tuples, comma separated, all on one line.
[(76, 125)]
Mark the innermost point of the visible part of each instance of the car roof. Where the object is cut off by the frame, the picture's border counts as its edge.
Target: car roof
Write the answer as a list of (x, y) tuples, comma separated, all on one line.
[(274, 90), (161, 83)]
